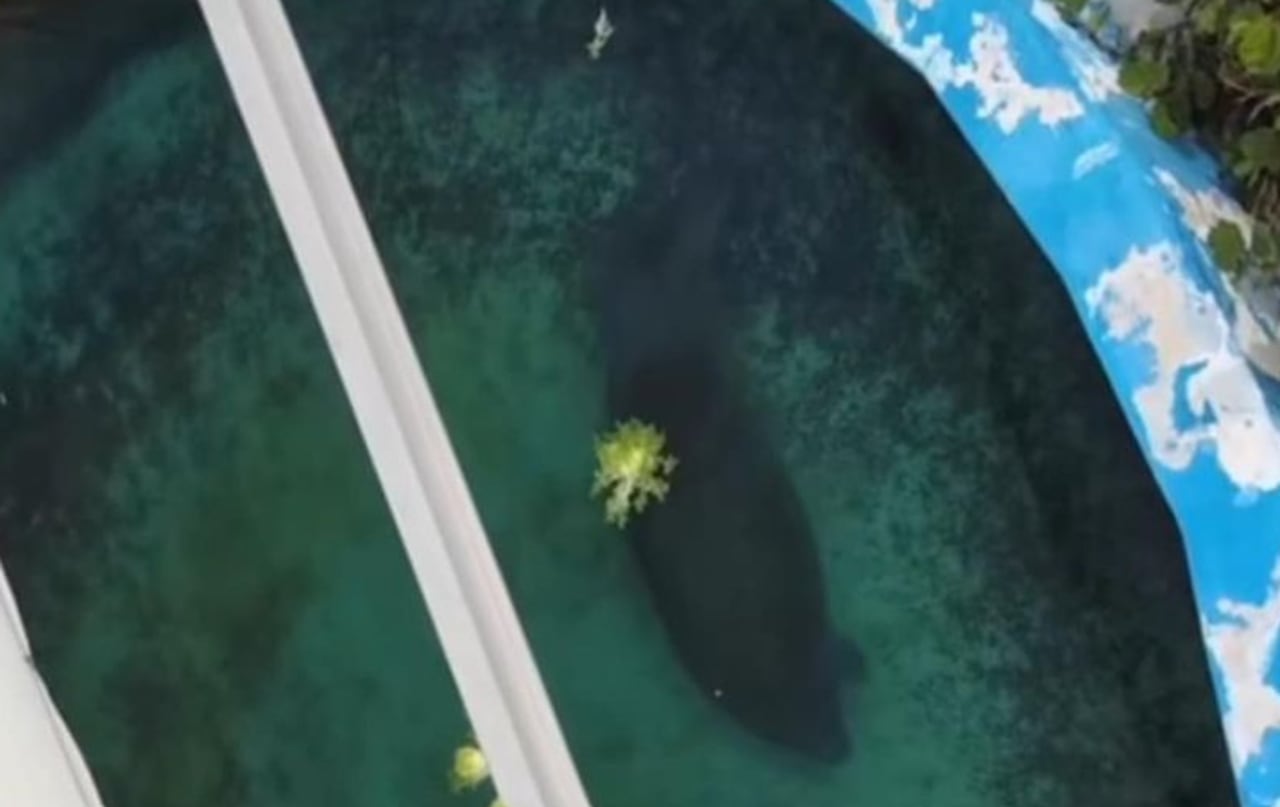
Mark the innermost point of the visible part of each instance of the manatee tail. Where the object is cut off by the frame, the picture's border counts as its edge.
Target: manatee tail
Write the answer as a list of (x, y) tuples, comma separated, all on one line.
[(849, 662)]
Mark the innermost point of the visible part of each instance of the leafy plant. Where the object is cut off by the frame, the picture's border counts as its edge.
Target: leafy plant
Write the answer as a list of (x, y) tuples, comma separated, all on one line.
[(632, 469), (1215, 74), (470, 768)]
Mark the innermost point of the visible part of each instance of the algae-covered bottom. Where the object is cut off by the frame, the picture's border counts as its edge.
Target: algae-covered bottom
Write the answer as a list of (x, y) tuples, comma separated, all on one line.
[(213, 586)]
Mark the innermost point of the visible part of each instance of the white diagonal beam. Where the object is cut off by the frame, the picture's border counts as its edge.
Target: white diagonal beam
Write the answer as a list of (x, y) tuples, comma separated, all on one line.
[(402, 429), (39, 762)]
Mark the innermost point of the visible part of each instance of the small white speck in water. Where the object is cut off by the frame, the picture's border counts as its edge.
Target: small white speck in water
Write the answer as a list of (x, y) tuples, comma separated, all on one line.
[(717, 692), (603, 30)]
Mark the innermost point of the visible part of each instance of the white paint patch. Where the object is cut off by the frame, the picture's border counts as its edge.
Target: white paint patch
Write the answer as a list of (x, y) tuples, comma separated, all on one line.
[(1149, 297), (1098, 75), (1201, 210), (1004, 94), (991, 71), (930, 57), (1094, 158), (1242, 641), (885, 14), (934, 60)]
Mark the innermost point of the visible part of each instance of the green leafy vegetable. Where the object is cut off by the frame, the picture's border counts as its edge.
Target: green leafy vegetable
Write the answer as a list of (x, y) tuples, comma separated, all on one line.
[(632, 468)]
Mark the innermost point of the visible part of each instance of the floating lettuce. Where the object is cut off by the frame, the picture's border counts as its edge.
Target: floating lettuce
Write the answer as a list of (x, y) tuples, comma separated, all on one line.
[(470, 768), (631, 470)]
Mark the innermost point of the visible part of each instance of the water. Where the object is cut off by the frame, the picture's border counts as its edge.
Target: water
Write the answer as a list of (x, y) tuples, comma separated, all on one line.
[(216, 593)]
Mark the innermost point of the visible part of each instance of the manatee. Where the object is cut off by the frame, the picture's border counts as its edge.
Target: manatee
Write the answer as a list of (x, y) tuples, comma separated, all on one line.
[(729, 558)]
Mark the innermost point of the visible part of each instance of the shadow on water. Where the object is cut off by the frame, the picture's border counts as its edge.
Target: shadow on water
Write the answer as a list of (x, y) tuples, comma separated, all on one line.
[(59, 57), (729, 557), (1105, 549)]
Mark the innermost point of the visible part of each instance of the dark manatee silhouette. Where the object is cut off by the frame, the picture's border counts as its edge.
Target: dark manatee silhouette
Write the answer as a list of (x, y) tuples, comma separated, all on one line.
[(729, 557)]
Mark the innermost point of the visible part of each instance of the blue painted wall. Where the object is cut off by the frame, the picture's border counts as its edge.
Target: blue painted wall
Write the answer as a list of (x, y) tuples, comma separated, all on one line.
[(1191, 356)]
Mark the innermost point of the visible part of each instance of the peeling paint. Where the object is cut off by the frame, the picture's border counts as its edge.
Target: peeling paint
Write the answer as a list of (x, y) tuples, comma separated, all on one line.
[(930, 57), (1188, 349), (1005, 95), (1097, 75), (885, 14), (1242, 639), (1093, 159), (991, 71), (1150, 299), (1201, 210)]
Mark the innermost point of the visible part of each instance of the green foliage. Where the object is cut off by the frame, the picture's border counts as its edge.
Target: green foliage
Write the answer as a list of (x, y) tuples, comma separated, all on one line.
[(1144, 77), (470, 768), (1259, 152), (1215, 75), (1091, 15), (1226, 241), (1255, 38), (632, 468)]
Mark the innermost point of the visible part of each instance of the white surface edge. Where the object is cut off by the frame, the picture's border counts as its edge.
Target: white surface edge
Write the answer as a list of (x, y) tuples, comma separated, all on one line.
[(402, 429), (40, 765)]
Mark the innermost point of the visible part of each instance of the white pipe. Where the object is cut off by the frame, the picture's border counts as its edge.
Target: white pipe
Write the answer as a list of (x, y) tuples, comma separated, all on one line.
[(39, 762), (402, 429)]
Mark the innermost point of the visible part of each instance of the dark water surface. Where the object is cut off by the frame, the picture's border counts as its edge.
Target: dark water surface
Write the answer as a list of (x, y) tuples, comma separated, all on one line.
[(929, 464)]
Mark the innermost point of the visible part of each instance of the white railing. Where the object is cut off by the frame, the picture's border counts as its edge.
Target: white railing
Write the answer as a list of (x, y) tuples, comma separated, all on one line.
[(402, 429), (39, 762)]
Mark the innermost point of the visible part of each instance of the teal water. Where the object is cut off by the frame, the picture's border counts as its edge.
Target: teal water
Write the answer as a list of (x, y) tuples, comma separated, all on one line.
[(213, 586)]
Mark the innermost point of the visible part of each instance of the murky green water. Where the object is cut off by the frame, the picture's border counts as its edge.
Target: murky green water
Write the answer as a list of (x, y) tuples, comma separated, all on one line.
[(212, 583)]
